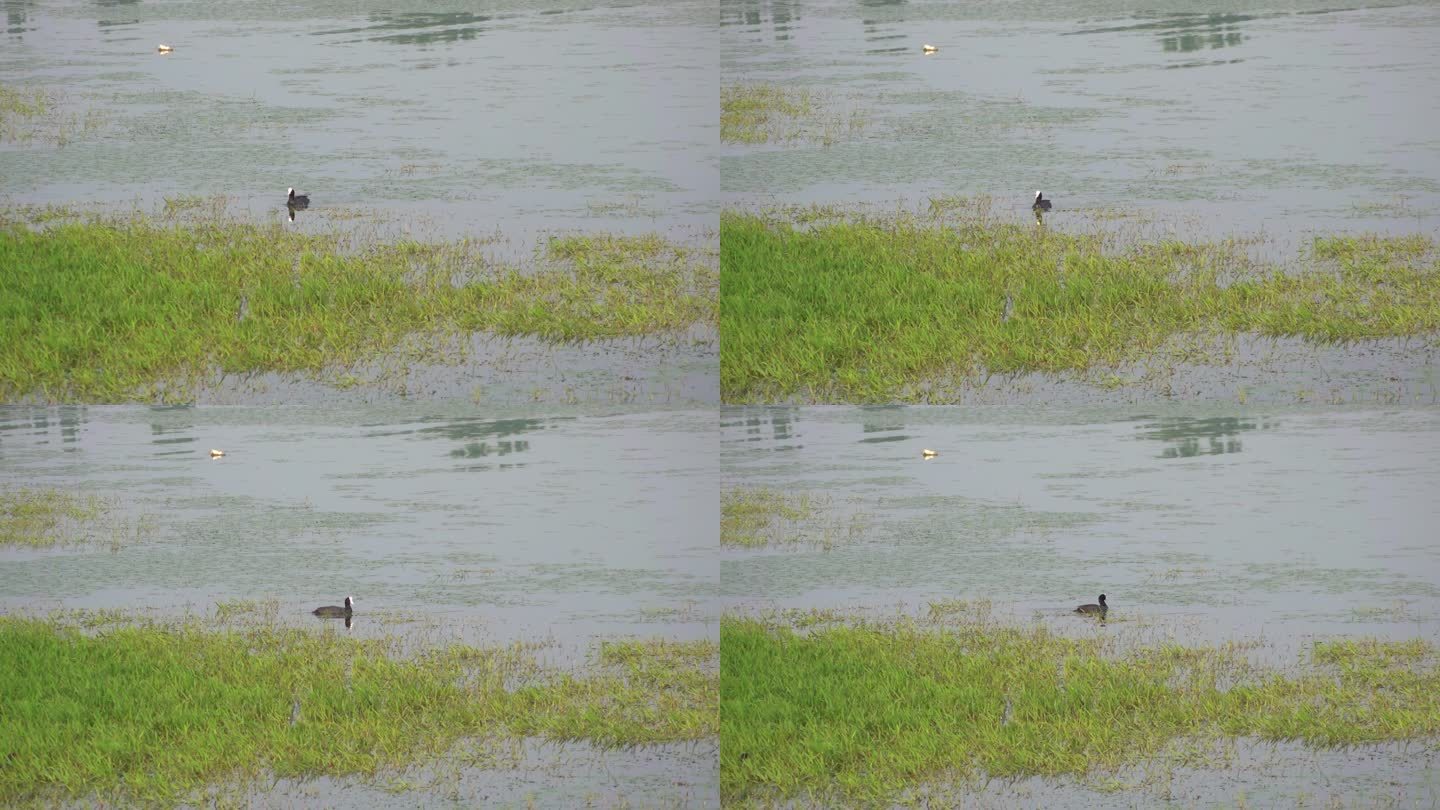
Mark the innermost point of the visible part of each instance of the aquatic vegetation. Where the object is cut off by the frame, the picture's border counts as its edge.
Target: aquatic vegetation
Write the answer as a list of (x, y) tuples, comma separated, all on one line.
[(16, 103), (140, 310), (754, 517), (137, 711), (865, 711), (35, 114), (765, 113), (912, 308), (40, 518)]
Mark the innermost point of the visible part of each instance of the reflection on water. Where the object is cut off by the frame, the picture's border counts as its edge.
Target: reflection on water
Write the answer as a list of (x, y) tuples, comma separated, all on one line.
[(16, 18), (883, 419), (758, 424), (1187, 32), (773, 17), (1213, 436), (419, 28)]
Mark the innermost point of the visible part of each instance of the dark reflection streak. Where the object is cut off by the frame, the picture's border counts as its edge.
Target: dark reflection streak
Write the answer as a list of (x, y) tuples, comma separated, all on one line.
[(15, 18), (755, 14), (1191, 437), (883, 419), (1179, 22), (460, 429), (412, 21), (438, 37), (1183, 33), (1204, 64), (485, 449)]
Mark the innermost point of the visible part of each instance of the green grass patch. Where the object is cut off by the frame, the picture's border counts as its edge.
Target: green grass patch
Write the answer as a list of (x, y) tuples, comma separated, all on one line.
[(765, 113), (154, 712), (864, 712), (138, 310), (913, 308), (754, 517), (46, 517)]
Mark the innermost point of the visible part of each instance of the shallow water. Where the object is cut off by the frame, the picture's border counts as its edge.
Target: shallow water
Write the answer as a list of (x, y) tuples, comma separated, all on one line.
[(519, 116), (557, 527), (1208, 119), (1256, 774), (655, 371), (1202, 523), (574, 775)]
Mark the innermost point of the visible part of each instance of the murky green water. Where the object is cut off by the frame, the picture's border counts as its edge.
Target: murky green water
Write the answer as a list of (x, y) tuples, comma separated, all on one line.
[(518, 116), (1200, 119)]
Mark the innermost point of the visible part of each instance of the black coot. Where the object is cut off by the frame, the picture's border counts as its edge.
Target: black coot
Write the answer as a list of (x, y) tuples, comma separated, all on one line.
[(297, 200), (1100, 609), (337, 612), (1041, 204)]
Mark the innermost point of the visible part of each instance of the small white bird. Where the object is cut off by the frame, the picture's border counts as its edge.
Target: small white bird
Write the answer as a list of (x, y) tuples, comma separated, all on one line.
[(163, 48), (928, 453), (216, 453), (928, 49)]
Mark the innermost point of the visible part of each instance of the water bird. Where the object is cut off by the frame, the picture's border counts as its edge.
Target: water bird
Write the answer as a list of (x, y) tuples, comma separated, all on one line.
[(928, 49), (1091, 609), (928, 453), (163, 48), (335, 611), (1041, 204), (216, 453), (297, 200)]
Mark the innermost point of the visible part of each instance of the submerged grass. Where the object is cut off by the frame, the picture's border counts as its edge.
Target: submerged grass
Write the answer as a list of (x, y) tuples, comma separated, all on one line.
[(153, 713), (46, 517), (114, 311), (30, 114), (764, 113), (910, 308), (866, 711), (755, 517)]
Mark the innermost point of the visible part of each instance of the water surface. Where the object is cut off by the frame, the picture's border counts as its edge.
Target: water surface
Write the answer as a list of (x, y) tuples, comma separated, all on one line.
[(510, 115), (1200, 119), (1211, 522), (539, 526)]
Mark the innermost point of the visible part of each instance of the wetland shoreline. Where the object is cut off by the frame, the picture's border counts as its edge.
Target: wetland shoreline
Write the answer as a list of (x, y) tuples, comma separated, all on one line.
[(819, 708), (827, 305), (111, 705), (152, 309)]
